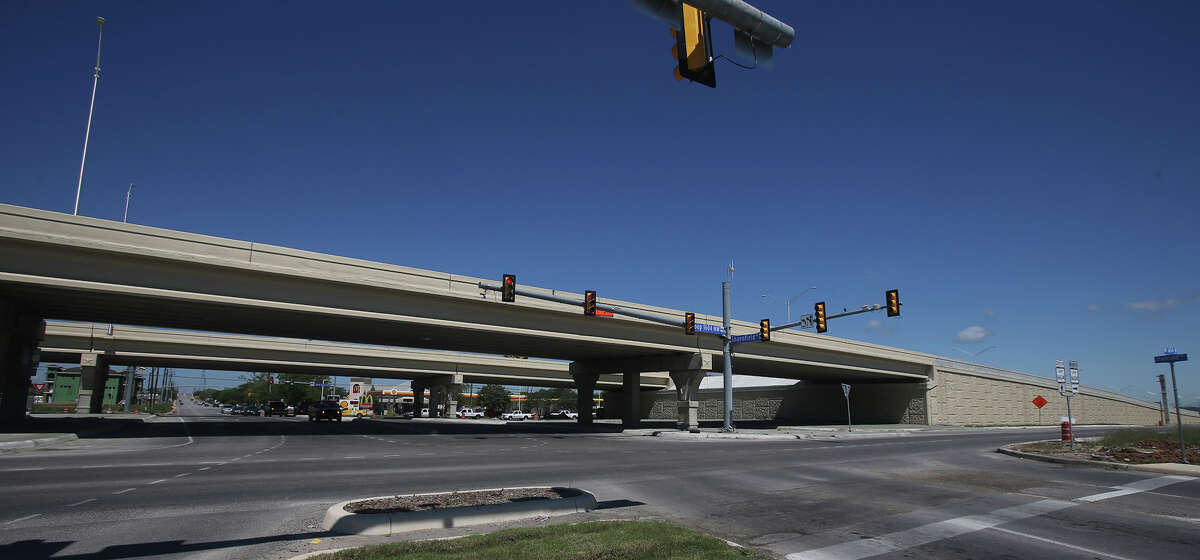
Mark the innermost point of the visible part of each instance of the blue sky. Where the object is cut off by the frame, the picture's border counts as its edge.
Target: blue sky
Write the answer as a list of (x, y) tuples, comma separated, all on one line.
[(1024, 168)]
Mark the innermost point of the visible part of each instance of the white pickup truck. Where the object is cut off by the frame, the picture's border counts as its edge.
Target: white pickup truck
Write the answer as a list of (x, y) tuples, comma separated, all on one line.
[(470, 413), (516, 415)]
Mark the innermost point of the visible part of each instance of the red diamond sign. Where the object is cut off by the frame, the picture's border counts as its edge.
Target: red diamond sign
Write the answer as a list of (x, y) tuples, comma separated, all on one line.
[(1039, 401)]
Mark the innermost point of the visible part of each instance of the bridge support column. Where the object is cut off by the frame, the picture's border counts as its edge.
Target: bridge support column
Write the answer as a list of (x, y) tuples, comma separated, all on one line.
[(418, 390), (21, 332), (453, 386), (631, 386), (687, 382), (585, 385), (93, 375)]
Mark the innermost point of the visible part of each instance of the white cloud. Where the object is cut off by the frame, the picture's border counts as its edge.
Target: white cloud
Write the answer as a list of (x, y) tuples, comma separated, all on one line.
[(1093, 307), (1149, 305), (875, 325), (972, 335)]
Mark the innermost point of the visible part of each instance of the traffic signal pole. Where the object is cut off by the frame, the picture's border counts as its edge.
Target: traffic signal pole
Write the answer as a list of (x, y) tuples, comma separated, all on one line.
[(726, 322)]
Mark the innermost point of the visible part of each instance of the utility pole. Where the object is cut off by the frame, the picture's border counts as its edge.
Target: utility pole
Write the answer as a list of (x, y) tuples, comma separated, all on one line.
[(88, 131)]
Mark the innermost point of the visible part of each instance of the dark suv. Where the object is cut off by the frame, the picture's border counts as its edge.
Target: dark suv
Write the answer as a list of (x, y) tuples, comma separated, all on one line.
[(275, 408), (325, 409)]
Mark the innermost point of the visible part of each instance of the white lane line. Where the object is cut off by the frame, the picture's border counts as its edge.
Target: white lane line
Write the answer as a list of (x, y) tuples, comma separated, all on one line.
[(354, 457), (1088, 551), (23, 518), (1137, 487), (156, 481), (183, 474), (393, 455), (124, 491), (81, 503), (950, 528), (203, 468)]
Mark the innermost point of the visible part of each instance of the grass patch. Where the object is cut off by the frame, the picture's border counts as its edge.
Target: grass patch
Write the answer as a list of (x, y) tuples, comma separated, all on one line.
[(1191, 436), (604, 540)]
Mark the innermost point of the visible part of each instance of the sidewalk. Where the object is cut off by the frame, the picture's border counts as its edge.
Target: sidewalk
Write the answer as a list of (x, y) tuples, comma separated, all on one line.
[(835, 432)]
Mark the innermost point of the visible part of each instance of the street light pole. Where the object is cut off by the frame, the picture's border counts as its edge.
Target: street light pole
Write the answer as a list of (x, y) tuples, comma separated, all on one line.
[(88, 131), (790, 300), (128, 195)]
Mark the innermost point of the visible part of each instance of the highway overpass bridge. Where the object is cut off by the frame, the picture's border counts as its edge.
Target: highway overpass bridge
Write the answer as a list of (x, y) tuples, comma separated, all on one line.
[(97, 346), (75, 268)]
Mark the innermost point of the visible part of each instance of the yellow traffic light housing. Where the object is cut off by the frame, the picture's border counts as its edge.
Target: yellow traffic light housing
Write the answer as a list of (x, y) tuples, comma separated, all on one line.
[(589, 303), (893, 303), (764, 330), (508, 288), (693, 48), (819, 317), (689, 323)]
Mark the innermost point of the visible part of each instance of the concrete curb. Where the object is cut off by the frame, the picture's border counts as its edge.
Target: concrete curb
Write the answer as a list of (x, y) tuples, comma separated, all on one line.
[(712, 435), (1165, 468), (338, 520), (37, 442)]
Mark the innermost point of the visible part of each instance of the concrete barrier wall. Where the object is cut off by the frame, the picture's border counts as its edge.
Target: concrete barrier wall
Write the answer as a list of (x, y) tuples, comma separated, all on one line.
[(877, 403), (982, 397)]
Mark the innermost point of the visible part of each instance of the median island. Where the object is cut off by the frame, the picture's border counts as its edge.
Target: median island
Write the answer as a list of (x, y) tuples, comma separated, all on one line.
[(1133, 447), (626, 540)]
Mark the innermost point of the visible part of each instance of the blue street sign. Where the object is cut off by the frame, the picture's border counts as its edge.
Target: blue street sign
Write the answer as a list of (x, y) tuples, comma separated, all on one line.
[(1168, 358), (756, 337), (710, 329)]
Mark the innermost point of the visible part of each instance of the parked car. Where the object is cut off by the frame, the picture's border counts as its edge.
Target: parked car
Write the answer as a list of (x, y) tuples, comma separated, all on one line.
[(470, 413), (324, 409), (516, 415), (227, 409), (562, 415), (251, 411), (277, 408)]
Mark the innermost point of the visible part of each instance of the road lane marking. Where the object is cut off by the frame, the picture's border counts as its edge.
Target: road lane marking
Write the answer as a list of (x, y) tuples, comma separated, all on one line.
[(124, 491), (1137, 487), (81, 503), (950, 528), (203, 468), (183, 474), (156, 481), (23, 518), (1088, 551), (354, 457)]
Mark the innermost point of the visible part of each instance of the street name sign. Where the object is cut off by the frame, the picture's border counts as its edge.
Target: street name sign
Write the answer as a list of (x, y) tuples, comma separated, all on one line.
[(710, 329), (756, 337), (1168, 358)]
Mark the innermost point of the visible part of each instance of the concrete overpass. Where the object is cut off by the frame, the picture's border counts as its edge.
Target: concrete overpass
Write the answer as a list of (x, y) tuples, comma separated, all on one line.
[(59, 266), (94, 346)]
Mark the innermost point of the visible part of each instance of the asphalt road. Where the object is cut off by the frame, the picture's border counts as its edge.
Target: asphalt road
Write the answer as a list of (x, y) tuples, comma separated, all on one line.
[(204, 485)]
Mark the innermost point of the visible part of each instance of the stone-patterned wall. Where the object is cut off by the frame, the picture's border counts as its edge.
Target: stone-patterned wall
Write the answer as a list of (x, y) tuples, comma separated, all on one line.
[(885, 403), (967, 399)]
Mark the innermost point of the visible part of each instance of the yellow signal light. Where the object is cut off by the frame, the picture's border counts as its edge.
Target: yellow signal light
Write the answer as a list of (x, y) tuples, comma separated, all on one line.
[(819, 315)]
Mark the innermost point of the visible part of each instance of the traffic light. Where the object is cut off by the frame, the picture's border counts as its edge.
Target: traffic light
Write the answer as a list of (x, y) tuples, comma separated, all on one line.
[(693, 48), (689, 323), (819, 316), (764, 330), (893, 302), (589, 303), (508, 291)]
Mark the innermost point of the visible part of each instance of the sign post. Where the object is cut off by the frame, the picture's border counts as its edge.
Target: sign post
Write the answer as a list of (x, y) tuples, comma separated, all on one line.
[(1170, 357), (846, 393), (1062, 390), (1039, 401)]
